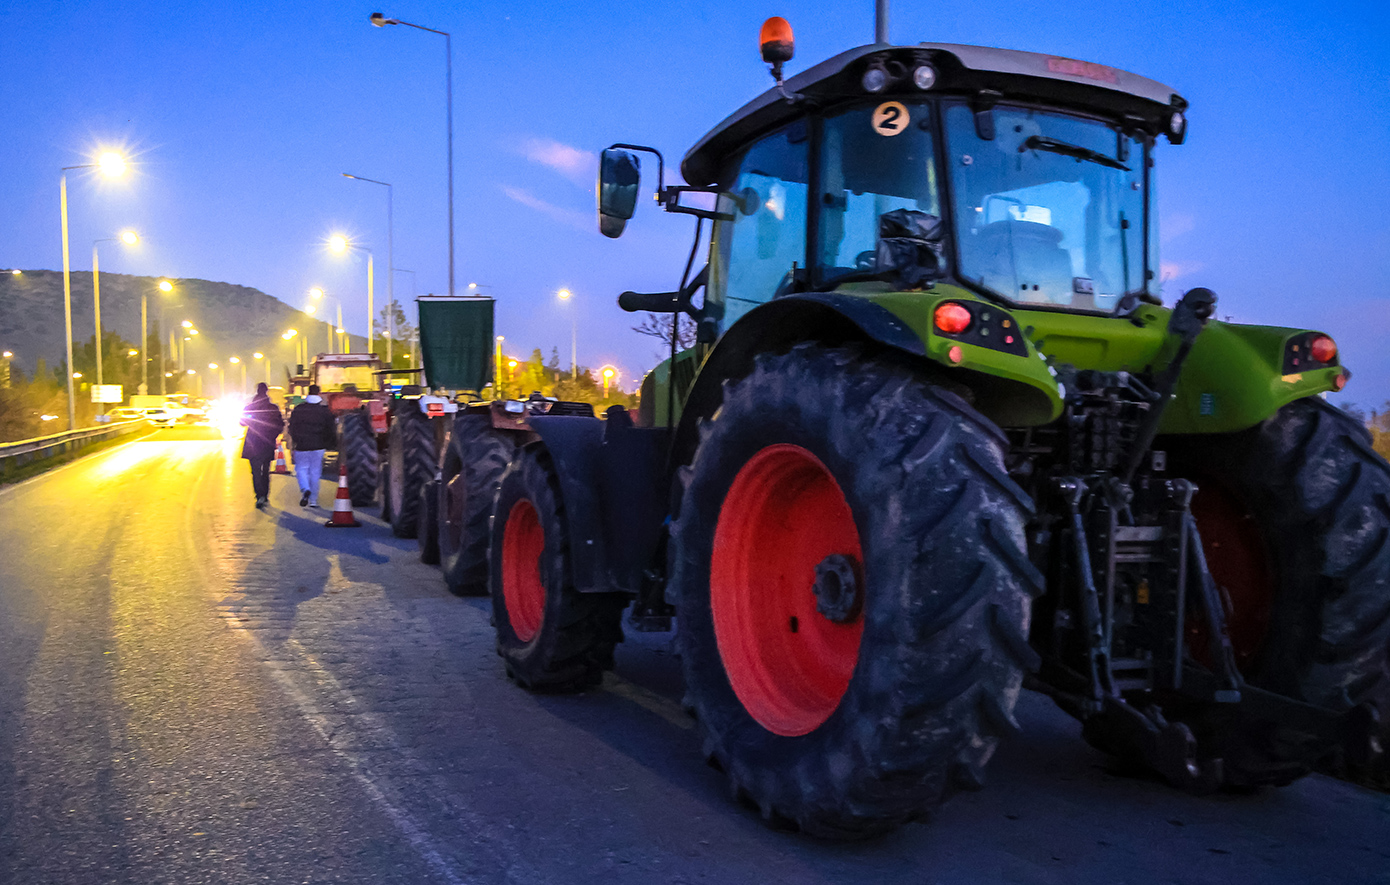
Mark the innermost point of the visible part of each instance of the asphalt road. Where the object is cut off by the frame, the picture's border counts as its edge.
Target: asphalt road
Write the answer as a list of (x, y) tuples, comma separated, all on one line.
[(194, 691)]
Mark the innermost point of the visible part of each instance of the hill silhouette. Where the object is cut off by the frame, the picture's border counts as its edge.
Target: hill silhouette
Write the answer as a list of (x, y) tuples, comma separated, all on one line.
[(232, 320)]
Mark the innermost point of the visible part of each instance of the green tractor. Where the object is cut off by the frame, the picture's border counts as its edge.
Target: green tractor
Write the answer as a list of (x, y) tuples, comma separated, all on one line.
[(940, 438)]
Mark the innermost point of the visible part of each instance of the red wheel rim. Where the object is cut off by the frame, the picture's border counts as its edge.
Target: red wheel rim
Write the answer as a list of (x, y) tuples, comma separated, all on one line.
[(523, 544), (788, 664), (1240, 565)]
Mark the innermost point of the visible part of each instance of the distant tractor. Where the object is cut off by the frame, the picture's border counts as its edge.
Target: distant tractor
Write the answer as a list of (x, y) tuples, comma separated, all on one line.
[(938, 432), (350, 386), (456, 346)]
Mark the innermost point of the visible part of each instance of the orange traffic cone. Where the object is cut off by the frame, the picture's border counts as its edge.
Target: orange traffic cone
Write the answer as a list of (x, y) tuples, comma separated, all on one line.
[(280, 466), (342, 505)]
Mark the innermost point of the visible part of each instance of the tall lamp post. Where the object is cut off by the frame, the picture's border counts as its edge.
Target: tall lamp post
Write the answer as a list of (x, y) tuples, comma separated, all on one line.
[(130, 238), (165, 287), (415, 338), (566, 295), (289, 335), (260, 356), (317, 294), (112, 165), (380, 21), (238, 361), (341, 244), (188, 336), (497, 379), (390, 263)]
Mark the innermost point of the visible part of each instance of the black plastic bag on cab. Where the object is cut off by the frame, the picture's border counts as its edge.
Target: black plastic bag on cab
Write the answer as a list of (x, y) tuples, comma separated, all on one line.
[(909, 246)]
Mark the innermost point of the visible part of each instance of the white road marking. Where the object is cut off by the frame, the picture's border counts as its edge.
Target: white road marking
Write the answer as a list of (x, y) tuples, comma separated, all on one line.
[(367, 729)]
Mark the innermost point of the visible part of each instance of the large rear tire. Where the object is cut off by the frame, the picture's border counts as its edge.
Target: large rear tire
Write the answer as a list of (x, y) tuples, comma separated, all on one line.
[(1317, 498), (357, 448), (473, 465), (854, 592), (412, 460), (550, 636)]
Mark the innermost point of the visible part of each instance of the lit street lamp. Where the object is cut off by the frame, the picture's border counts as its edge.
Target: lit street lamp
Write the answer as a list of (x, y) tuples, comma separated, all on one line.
[(380, 21), (130, 238), (317, 294), (236, 361), (112, 165), (340, 244), (289, 335), (415, 337), (609, 374), (566, 295), (166, 287), (497, 379), (260, 356), (390, 264), (221, 381)]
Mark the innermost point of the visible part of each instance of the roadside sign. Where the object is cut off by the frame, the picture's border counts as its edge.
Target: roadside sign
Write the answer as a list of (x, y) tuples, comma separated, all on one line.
[(107, 393)]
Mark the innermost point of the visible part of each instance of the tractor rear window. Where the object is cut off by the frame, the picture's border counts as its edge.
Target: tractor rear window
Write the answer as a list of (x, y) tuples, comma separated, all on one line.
[(1049, 211), (331, 377)]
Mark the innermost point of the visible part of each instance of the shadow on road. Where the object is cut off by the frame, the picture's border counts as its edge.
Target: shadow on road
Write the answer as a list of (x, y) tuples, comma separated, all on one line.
[(308, 526)]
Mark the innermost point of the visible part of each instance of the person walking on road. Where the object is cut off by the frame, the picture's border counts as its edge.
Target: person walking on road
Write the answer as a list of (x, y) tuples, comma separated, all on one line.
[(312, 430), (263, 423)]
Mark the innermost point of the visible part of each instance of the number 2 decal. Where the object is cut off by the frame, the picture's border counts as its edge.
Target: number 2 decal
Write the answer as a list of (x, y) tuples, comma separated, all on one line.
[(890, 118)]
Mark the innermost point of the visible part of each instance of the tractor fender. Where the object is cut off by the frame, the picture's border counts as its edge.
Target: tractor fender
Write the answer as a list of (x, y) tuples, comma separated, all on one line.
[(575, 445), (1009, 389), (614, 486), (436, 406), (825, 317)]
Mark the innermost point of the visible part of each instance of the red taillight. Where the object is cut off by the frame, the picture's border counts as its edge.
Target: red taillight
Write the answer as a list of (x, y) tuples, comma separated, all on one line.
[(952, 318), (1323, 349)]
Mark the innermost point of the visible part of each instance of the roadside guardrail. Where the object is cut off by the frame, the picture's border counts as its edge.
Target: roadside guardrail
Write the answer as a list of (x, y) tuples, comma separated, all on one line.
[(14, 455)]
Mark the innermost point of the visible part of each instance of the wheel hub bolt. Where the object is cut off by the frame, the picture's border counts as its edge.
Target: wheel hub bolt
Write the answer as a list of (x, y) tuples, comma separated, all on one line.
[(837, 590)]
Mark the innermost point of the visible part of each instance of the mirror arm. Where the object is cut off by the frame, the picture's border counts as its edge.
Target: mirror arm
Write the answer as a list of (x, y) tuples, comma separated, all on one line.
[(670, 201)]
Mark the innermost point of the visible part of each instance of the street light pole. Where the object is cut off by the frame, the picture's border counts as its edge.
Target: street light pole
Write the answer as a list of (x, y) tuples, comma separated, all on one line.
[(144, 341), (391, 256), (379, 20), (96, 312), (113, 165), (340, 243), (414, 338), (67, 297), (566, 295)]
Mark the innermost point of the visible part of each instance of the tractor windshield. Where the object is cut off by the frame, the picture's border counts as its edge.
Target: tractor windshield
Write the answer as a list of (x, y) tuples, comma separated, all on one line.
[(1050, 210)]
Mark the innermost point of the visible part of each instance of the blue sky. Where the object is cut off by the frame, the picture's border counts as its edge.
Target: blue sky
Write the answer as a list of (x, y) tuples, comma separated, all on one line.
[(241, 117)]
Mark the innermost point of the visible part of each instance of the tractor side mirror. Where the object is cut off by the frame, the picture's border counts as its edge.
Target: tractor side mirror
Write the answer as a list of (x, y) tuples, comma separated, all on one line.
[(619, 175)]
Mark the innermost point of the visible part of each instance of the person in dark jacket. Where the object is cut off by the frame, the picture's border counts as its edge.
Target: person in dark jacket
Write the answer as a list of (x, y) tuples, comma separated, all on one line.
[(312, 430), (263, 423)]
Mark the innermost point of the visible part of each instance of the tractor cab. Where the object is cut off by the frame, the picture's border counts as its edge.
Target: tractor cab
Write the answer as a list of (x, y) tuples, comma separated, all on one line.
[(1023, 178)]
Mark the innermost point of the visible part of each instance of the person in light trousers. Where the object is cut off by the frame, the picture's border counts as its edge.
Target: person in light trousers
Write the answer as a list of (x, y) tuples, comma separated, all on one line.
[(312, 430)]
